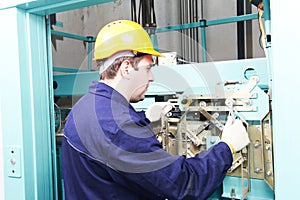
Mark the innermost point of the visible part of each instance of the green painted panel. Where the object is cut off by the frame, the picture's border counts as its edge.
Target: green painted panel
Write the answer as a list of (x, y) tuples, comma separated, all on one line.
[(11, 99), (25, 104)]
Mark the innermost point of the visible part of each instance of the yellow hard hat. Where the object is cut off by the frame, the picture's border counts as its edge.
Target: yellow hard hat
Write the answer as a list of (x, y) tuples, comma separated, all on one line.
[(122, 35)]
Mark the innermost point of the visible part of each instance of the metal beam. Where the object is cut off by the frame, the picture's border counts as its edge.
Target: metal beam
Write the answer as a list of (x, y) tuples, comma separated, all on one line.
[(208, 23), (73, 36), (46, 7)]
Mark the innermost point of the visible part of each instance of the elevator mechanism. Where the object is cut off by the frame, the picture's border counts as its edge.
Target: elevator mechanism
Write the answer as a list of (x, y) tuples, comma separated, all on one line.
[(196, 123)]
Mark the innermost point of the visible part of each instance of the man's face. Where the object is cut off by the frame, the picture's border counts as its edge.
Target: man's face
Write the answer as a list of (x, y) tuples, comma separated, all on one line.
[(141, 78)]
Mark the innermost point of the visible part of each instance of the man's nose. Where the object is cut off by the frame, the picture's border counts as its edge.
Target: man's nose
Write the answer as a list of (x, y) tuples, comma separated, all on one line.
[(151, 77)]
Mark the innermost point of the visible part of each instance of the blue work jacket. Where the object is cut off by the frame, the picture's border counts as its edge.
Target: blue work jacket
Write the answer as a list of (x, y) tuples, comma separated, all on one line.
[(109, 151)]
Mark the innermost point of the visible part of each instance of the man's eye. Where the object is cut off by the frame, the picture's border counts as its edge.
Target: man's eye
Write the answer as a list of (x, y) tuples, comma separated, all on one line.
[(154, 59), (150, 66)]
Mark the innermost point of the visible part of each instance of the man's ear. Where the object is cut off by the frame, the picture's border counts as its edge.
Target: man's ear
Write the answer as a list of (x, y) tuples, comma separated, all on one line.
[(125, 68)]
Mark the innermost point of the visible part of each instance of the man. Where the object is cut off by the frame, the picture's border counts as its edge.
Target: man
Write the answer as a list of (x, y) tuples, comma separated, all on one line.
[(110, 150)]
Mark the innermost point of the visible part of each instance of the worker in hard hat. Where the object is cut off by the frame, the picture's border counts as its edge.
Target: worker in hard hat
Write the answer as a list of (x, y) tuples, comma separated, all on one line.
[(109, 149)]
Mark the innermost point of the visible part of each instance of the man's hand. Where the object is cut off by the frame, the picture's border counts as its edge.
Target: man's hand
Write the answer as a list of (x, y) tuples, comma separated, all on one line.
[(235, 134), (157, 109)]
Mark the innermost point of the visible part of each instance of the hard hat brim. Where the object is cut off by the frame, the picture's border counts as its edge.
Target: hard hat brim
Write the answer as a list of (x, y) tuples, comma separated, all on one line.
[(151, 52)]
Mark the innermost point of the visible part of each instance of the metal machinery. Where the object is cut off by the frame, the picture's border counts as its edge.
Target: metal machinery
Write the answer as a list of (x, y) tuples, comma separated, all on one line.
[(203, 94), (196, 122)]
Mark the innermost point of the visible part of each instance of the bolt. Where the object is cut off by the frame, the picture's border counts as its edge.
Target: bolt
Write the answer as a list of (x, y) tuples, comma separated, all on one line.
[(269, 173), (184, 101), (12, 161), (212, 140), (247, 102), (257, 170), (215, 115), (169, 114), (202, 104)]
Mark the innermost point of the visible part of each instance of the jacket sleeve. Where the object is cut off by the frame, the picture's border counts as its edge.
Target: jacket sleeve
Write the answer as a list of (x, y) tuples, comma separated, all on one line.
[(142, 161)]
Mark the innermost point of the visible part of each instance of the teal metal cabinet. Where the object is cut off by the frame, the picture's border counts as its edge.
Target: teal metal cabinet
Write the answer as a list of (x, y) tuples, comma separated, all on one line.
[(25, 100), (27, 113)]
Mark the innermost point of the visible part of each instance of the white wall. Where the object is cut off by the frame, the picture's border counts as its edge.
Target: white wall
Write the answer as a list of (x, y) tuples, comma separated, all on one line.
[(285, 90), (1, 160)]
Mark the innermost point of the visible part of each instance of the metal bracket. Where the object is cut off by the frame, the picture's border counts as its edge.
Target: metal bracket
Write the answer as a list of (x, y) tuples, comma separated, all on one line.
[(13, 161)]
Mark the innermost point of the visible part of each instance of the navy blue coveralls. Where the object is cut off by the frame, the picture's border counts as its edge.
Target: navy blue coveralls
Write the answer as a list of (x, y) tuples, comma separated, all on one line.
[(110, 152)]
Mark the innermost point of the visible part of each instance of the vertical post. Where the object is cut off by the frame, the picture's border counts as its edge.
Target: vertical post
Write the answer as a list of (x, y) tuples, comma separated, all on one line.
[(268, 52), (240, 31), (1, 158), (51, 110), (24, 93), (90, 50), (249, 37), (154, 41), (203, 39), (267, 17)]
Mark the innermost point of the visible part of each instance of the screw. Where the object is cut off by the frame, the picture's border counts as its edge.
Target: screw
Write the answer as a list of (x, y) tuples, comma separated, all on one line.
[(12, 161), (184, 101), (212, 141), (202, 104), (247, 102), (257, 170), (269, 173)]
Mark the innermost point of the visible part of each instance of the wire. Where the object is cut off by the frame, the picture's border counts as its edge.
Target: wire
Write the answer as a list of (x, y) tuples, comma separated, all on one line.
[(139, 13), (133, 10), (260, 33), (146, 13), (261, 28), (185, 61), (263, 44)]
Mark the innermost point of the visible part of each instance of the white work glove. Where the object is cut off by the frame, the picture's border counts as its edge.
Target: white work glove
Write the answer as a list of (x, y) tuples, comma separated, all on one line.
[(157, 109), (235, 134)]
